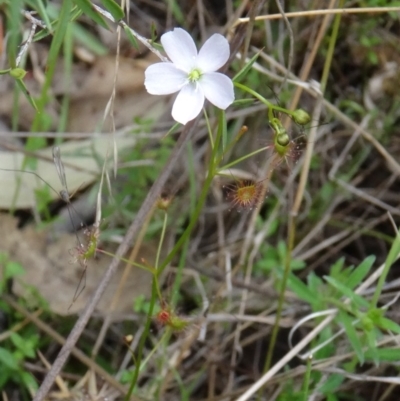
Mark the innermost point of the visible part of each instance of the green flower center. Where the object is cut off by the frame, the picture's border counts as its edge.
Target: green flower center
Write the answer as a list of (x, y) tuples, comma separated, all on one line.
[(194, 75)]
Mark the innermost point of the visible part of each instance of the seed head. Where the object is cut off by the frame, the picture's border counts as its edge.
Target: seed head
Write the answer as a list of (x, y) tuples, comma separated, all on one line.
[(164, 202)]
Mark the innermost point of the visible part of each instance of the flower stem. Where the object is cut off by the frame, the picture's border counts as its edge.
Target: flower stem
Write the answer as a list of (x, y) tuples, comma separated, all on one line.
[(209, 128), (262, 99), (127, 261), (229, 165), (161, 239)]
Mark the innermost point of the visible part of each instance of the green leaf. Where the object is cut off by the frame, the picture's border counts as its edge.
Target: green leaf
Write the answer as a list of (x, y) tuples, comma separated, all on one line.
[(357, 276), (87, 39), (384, 354), (314, 283), (352, 335), (87, 7), (337, 267), (29, 382), (43, 13), (75, 13), (52, 59), (131, 38), (301, 290), (242, 73), (13, 269), (114, 9), (8, 359), (391, 258), (332, 383), (371, 338), (21, 86), (23, 345), (357, 299), (387, 324), (13, 29)]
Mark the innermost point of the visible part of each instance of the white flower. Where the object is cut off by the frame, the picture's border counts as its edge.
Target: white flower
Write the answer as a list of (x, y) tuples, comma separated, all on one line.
[(192, 74)]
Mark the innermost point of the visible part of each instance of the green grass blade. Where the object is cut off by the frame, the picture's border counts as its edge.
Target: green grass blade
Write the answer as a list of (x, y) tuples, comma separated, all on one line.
[(384, 354), (21, 86), (13, 30), (360, 272), (88, 40), (114, 9), (54, 52), (87, 8), (131, 38), (243, 72), (41, 8)]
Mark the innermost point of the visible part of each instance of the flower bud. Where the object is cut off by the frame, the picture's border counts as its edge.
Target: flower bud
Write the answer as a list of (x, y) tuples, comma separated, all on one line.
[(164, 202), (18, 73), (301, 117)]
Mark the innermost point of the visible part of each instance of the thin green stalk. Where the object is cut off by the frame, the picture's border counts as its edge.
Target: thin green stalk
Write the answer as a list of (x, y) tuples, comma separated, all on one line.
[(292, 217), (231, 144), (129, 262), (143, 338), (271, 106), (208, 128), (306, 384), (161, 239), (229, 165), (185, 247), (255, 94)]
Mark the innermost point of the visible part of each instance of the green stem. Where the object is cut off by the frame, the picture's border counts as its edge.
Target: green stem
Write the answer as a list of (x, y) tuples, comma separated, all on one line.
[(229, 165), (262, 99), (306, 384), (209, 128), (143, 339), (127, 261), (161, 239)]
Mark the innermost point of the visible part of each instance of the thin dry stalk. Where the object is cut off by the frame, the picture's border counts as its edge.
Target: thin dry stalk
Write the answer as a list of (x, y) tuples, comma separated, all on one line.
[(314, 13)]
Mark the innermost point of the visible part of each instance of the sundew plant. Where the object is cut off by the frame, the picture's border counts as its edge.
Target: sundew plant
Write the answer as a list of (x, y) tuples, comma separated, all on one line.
[(242, 239)]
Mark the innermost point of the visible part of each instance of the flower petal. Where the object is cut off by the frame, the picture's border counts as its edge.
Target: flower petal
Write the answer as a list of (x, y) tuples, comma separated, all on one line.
[(180, 48), (188, 103), (214, 54), (218, 89), (164, 79)]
